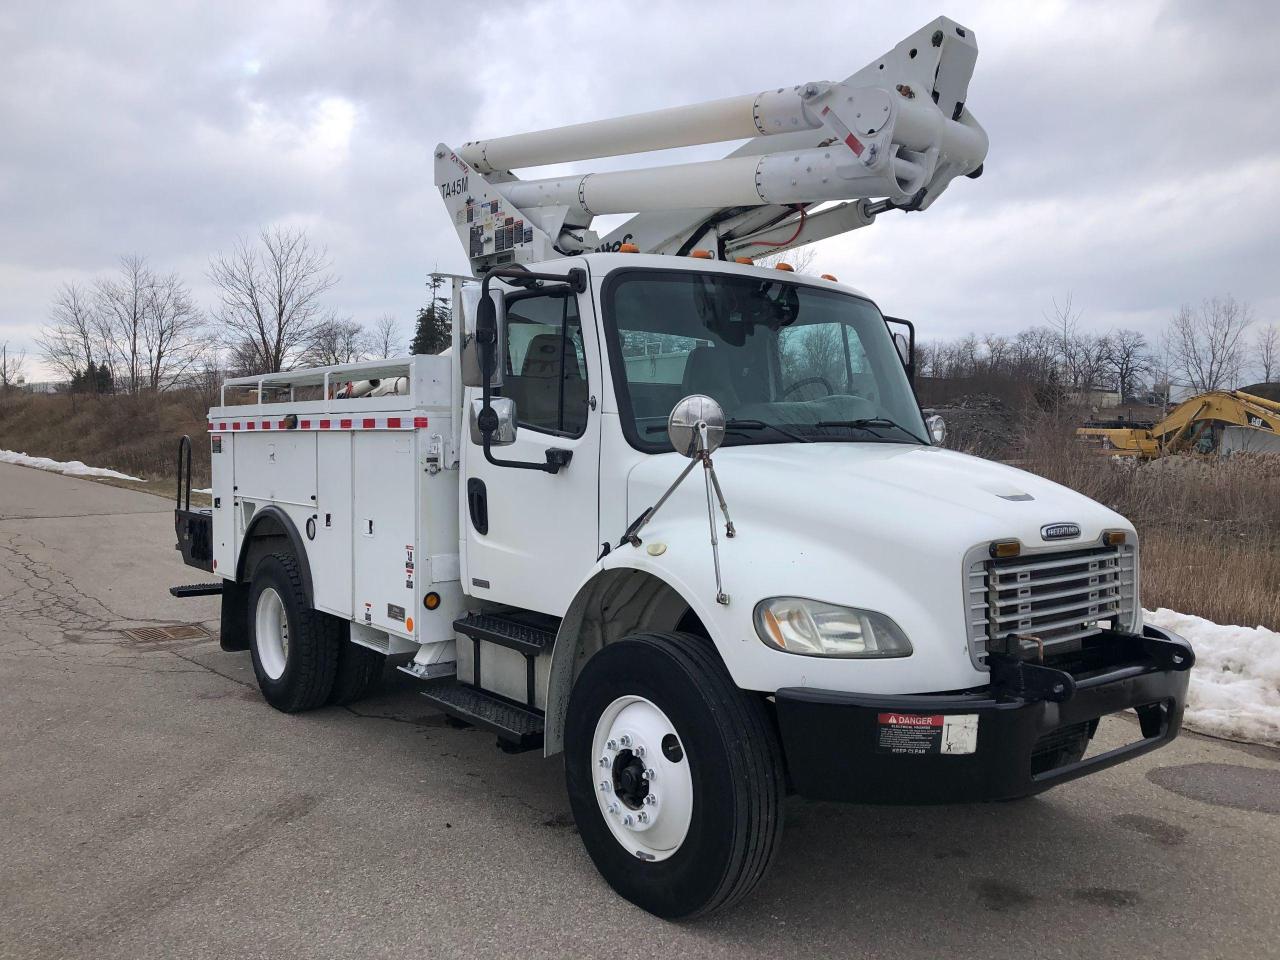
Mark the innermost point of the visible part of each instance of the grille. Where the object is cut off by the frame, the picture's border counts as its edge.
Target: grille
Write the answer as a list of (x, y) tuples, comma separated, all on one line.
[(1055, 597)]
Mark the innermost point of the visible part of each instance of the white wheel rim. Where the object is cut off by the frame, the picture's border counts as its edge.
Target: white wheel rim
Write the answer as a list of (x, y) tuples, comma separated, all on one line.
[(271, 633), (632, 730)]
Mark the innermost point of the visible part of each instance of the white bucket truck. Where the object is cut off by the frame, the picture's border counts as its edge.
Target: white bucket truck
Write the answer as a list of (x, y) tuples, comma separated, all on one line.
[(831, 603)]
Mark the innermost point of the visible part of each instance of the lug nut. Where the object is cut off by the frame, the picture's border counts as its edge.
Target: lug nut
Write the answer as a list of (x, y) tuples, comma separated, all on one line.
[(604, 762), (625, 740), (613, 808), (628, 820), (604, 786), (640, 752), (642, 817), (649, 773), (611, 745), (651, 800)]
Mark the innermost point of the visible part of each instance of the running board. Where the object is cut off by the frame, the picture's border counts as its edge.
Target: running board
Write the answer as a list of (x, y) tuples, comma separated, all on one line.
[(527, 632), (197, 590), (517, 728)]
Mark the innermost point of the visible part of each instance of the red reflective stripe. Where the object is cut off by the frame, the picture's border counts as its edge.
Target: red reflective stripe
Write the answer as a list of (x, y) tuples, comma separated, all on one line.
[(235, 426), (281, 425), (266, 424), (250, 425), (369, 423), (854, 145), (419, 422), (344, 424), (306, 424), (222, 426), (324, 424), (393, 423), (211, 426)]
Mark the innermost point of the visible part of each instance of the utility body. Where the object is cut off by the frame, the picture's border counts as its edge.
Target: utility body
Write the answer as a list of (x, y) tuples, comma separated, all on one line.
[(679, 516)]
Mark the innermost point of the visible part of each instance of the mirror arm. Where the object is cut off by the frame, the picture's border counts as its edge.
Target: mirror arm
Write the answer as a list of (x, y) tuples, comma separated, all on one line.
[(487, 340)]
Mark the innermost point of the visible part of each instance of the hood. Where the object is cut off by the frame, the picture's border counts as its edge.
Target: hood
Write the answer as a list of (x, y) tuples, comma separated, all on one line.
[(900, 492)]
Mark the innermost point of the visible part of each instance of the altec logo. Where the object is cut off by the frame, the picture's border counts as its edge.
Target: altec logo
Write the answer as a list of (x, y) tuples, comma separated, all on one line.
[(1060, 531)]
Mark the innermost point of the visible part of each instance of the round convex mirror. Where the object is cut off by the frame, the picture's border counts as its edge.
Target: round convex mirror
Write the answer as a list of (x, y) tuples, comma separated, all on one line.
[(682, 425), (937, 430)]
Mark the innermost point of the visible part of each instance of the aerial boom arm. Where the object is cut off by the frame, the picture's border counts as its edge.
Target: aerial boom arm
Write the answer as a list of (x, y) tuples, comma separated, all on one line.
[(896, 131)]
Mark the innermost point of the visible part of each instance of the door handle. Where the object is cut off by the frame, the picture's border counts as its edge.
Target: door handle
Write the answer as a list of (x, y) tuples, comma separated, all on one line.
[(478, 505)]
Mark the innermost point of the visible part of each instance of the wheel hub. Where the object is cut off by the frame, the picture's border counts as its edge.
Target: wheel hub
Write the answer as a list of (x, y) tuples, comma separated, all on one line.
[(645, 788)]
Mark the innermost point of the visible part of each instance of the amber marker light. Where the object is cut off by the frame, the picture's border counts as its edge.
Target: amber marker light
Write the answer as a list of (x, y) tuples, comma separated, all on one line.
[(784, 266), (431, 600), (747, 260), (408, 624), (628, 248), (701, 254), (1115, 538), (827, 276), (1001, 549)]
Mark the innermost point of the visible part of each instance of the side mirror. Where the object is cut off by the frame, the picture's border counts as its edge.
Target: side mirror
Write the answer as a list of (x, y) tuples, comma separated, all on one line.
[(504, 433), (688, 419), (937, 430), (482, 315), (904, 343)]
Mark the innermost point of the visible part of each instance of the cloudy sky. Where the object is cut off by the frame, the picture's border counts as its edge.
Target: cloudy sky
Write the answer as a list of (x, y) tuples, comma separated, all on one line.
[(1134, 161)]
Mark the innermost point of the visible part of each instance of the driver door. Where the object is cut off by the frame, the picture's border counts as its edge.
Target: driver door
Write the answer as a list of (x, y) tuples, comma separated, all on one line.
[(532, 536)]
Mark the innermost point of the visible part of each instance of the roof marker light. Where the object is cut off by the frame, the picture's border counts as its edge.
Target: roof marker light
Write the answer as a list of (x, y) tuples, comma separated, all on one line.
[(784, 266), (628, 248), (827, 276)]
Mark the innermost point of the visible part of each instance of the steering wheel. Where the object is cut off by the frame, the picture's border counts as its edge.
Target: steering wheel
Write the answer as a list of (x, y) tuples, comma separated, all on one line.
[(805, 382)]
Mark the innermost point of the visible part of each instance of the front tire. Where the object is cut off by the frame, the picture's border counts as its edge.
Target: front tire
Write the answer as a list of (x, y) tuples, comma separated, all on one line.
[(295, 648), (674, 775)]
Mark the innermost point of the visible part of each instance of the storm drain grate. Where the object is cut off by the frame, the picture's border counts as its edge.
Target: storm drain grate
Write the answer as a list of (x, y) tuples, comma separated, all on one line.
[(180, 631)]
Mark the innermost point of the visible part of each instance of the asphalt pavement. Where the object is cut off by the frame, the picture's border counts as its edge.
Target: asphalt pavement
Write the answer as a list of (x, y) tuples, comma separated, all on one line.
[(152, 805)]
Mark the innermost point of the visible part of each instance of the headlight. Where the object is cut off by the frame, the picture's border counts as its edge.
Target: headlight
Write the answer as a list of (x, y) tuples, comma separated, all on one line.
[(816, 629)]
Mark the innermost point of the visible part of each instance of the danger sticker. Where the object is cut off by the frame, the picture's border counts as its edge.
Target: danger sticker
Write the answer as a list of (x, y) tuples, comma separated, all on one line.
[(920, 734)]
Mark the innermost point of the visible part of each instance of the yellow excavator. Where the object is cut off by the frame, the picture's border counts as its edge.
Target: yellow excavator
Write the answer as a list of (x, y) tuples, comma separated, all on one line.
[(1218, 422)]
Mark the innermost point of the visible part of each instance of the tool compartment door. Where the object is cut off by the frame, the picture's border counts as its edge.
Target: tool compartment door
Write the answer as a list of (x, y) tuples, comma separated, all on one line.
[(331, 552), (384, 549)]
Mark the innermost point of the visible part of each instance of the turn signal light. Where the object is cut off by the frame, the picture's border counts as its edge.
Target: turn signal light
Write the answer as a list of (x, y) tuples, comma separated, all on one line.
[(785, 266), (1005, 548), (431, 600), (1115, 538), (408, 624), (701, 254), (628, 248)]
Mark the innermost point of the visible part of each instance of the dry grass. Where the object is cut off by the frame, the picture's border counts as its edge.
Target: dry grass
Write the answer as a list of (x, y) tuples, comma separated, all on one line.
[(1209, 528), (135, 435)]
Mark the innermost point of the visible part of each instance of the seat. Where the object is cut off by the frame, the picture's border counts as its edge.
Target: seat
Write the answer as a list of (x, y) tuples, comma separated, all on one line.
[(706, 373), (537, 394)]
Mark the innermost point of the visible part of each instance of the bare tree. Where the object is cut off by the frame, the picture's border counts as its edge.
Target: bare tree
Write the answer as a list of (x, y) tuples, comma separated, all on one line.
[(1128, 359), (270, 297), (385, 338), (800, 258), (121, 314), (172, 332), (336, 340), (1206, 345), (1266, 343), (11, 366), (72, 343)]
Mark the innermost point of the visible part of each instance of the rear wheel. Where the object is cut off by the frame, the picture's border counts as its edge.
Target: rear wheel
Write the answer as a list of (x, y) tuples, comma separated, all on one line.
[(295, 648), (358, 671), (674, 775)]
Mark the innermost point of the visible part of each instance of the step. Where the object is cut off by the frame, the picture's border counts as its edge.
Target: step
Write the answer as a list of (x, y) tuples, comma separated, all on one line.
[(516, 727), (197, 590), (529, 633)]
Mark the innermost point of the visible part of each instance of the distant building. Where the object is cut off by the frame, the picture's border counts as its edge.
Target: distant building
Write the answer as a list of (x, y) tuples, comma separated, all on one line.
[(44, 386)]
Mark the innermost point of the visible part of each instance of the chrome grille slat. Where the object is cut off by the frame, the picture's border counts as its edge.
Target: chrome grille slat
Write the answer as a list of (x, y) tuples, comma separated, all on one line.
[(1055, 597)]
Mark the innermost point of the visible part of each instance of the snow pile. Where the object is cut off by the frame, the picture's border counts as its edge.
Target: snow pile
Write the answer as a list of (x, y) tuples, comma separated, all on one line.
[(1235, 684), (72, 468)]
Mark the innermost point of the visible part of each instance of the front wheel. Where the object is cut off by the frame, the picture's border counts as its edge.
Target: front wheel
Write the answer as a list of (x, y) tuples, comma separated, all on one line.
[(674, 775)]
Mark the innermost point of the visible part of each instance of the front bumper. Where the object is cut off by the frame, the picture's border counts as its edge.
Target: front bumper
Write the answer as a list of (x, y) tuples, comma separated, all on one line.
[(989, 744)]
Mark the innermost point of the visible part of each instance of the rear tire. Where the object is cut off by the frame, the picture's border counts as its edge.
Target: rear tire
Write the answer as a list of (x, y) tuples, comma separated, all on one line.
[(713, 811), (295, 648), (359, 670)]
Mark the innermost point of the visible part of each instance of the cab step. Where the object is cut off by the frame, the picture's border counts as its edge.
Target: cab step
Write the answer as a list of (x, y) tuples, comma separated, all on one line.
[(517, 727), (525, 631), (197, 590)]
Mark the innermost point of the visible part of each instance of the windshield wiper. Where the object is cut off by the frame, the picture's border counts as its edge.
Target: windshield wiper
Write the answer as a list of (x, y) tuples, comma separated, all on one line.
[(762, 425), (866, 423)]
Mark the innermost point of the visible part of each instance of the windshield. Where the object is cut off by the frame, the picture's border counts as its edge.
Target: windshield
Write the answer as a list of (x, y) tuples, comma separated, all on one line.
[(787, 362)]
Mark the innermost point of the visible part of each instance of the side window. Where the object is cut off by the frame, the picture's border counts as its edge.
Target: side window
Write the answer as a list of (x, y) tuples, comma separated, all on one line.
[(546, 371)]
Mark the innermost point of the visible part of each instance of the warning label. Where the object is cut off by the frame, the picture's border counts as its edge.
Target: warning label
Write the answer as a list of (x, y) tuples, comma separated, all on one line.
[(919, 734)]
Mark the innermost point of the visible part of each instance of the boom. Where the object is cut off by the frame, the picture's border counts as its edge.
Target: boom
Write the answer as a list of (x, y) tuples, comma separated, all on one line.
[(896, 132)]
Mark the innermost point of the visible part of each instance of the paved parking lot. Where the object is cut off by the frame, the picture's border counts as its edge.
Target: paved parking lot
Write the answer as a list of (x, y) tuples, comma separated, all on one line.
[(151, 805)]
